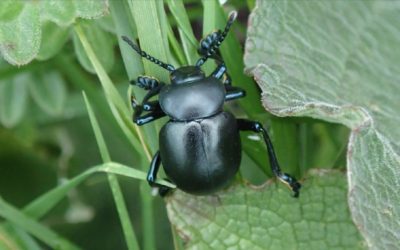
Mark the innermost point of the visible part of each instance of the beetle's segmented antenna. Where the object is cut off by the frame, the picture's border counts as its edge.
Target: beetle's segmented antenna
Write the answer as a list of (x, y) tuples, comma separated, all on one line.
[(221, 38), (166, 66), (231, 19)]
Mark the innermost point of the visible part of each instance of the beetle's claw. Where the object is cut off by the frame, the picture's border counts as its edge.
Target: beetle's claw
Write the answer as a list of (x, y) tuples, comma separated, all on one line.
[(292, 183), (134, 102), (296, 190), (158, 188), (164, 191)]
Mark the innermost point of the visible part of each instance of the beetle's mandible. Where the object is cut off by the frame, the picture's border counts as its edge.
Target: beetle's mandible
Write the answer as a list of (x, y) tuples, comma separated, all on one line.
[(200, 147)]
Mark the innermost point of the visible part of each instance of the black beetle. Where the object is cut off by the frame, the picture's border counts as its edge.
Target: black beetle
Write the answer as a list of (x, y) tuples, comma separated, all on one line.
[(200, 146)]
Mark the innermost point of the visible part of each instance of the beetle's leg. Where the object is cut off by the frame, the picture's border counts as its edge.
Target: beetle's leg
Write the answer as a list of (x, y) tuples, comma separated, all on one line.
[(154, 107), (220, 71), (150, 105), (146, 82), (233, 92), (210, 44), (248, 125), (157, 113), (152, 175), (154, 87)]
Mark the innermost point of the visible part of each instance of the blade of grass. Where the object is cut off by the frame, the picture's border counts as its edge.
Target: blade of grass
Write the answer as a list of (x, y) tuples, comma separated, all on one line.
[(176, 47), (189, 42), (46, 235), (125, 25), (7, 242), (44, 203), (306, 142), (152, 34), (284, 135), (130, 236), (118, 107), (105, 155), (152, 31), (16, 238)]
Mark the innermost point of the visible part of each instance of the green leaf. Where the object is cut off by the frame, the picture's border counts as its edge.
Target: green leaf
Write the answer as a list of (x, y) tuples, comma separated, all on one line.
[(338, 61), (10, 9), (49, 91), (21, 23), (267, 217), (64, 13), (54, 38), (20, 36), (13, 99)]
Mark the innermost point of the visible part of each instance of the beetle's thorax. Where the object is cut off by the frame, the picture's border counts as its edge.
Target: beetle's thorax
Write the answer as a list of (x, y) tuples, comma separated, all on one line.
[(186, 74), (194, 99)]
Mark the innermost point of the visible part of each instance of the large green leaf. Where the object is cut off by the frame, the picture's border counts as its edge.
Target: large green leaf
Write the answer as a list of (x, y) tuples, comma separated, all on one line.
[(339, 61), (49, 91), (13, 99), (21, 21), (268, 217)]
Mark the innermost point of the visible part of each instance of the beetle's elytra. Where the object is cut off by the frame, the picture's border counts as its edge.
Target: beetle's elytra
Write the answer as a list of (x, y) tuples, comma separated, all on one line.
[(200, 147)]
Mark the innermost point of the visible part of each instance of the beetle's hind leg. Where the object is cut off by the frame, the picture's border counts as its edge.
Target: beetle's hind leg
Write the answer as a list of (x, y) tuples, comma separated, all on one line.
[(247, 125), (152, 175)]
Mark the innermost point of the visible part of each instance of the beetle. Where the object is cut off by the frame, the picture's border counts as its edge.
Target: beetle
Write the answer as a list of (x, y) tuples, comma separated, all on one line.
[(199, 147)]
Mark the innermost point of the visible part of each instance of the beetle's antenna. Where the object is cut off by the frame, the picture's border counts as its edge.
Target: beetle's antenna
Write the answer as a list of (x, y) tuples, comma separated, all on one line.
[(215, 44), (166, 66)]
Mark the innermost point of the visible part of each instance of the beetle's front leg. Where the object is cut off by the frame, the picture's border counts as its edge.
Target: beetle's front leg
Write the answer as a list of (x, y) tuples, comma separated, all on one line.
[(154, 107), (152, 175), (154, 87), (149, 83), (247, 125)]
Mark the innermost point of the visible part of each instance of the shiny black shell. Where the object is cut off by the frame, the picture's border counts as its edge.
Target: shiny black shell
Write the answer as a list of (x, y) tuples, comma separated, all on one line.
[(201, 156), (194, 100)]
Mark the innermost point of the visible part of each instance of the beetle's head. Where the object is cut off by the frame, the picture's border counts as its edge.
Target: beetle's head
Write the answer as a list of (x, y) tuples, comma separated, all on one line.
[(186, 74)]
